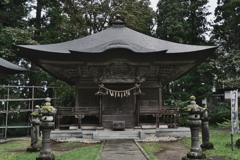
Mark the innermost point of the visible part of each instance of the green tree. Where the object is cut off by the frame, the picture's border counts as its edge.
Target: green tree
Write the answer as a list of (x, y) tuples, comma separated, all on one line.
[(137, 13), (185, 21), (196, 17), (12, 13), (170, 21), (47, 22), (98, 15), (226, 34)]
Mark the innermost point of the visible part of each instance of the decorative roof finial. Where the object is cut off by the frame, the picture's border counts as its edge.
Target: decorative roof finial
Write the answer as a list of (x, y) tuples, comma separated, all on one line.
[(118, 21), (118, 16)]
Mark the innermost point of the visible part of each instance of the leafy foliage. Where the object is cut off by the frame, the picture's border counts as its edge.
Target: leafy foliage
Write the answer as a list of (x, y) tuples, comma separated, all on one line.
[(170, 21), (182, 21), (95, 16), (185, 21), (220, 113), (226, 34), (226, 124)]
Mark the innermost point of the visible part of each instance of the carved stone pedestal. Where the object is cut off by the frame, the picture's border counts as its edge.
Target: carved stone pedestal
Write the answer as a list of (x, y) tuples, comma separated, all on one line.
[(45, 153)]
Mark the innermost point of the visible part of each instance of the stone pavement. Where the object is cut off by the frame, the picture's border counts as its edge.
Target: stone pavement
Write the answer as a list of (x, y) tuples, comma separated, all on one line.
[(122, 150)]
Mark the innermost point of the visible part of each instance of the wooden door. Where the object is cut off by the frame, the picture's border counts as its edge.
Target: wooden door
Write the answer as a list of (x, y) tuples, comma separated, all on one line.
[(118, 105)]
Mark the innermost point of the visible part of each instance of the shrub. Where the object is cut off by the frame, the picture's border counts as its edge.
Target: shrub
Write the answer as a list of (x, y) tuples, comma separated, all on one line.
[(220, 113)]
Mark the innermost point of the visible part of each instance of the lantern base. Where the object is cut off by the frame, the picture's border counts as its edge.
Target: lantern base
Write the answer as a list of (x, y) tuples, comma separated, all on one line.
[(207, 145), (33, 149), (48, 156)]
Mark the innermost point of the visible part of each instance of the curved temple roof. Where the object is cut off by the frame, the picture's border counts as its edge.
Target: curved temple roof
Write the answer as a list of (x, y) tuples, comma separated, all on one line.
[(117, 42), (7, 67), (117, 37)]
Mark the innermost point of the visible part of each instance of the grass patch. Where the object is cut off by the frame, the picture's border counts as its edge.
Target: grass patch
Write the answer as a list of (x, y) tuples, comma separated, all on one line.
[(7, 151), (86, 153), (18, 155), (222, 145), (15, 145), (69, 144), (150, 148)]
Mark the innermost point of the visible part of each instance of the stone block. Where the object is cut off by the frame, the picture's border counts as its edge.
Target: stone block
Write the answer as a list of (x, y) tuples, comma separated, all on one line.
[(95, 136), (142, 135)]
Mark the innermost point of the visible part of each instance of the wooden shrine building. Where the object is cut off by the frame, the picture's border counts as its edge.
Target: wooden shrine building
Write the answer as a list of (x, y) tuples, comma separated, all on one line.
[(118, 74)]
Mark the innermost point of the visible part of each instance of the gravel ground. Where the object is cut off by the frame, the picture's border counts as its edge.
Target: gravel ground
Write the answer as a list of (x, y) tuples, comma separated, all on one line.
[(73, 139)]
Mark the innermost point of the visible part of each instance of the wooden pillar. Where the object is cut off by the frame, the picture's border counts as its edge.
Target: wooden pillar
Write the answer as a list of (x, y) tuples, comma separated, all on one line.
[(58, 121), (100, 111), (157, 120), (160, 95), (159, 104), (79, 121), (77, 105), (77, 97), (138, 110)]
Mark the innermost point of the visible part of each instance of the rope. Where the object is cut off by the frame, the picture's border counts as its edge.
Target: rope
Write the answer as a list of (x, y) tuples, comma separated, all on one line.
[(116, 93)]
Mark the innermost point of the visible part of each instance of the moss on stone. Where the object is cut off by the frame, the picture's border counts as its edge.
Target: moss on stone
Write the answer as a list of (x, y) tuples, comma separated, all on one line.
[(47, 107), (35, 113)]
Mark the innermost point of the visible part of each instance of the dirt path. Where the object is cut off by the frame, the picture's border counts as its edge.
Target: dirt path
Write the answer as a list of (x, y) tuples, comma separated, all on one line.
[(171, 151), (175, 151)]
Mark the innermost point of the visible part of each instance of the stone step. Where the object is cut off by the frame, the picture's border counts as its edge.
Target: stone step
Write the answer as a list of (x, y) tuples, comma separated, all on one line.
[(180, 131), (66, 133), (118, 135)]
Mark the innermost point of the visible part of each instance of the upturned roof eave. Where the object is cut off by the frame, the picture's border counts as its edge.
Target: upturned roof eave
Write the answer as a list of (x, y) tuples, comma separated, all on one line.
[(10, 67)]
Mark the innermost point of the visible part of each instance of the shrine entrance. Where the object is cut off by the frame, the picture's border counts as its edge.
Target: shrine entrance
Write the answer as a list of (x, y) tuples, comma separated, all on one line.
[(119, 104)]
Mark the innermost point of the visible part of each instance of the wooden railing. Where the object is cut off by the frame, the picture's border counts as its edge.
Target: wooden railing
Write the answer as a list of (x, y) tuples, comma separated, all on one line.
[(157, 109), (77, 110), (169, 115)]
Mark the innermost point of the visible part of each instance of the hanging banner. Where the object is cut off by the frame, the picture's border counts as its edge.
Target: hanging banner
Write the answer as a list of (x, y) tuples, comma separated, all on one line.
[(234, 111)]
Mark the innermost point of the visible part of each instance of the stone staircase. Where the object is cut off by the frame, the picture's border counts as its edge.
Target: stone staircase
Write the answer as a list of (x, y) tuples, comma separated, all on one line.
[(109, 134), (129, 119)]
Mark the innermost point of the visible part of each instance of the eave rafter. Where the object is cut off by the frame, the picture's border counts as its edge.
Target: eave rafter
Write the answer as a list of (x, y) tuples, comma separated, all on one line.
[(118, 70)]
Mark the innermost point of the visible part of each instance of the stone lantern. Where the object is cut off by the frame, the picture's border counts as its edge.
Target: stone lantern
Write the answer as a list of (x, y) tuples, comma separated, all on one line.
[(47, 124), (194, 122), (35, 121)]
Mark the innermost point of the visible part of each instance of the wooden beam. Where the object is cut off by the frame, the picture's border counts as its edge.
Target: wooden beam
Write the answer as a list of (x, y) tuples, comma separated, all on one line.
[(137, 109), (174, 62), (77, 97), (100, 110)]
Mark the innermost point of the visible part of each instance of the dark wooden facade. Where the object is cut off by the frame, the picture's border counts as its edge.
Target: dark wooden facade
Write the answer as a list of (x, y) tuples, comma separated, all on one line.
[(119, 59)]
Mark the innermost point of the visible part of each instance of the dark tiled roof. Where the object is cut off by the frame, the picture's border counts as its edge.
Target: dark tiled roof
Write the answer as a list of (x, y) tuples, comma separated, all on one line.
[(117, 37), (8, 67)]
